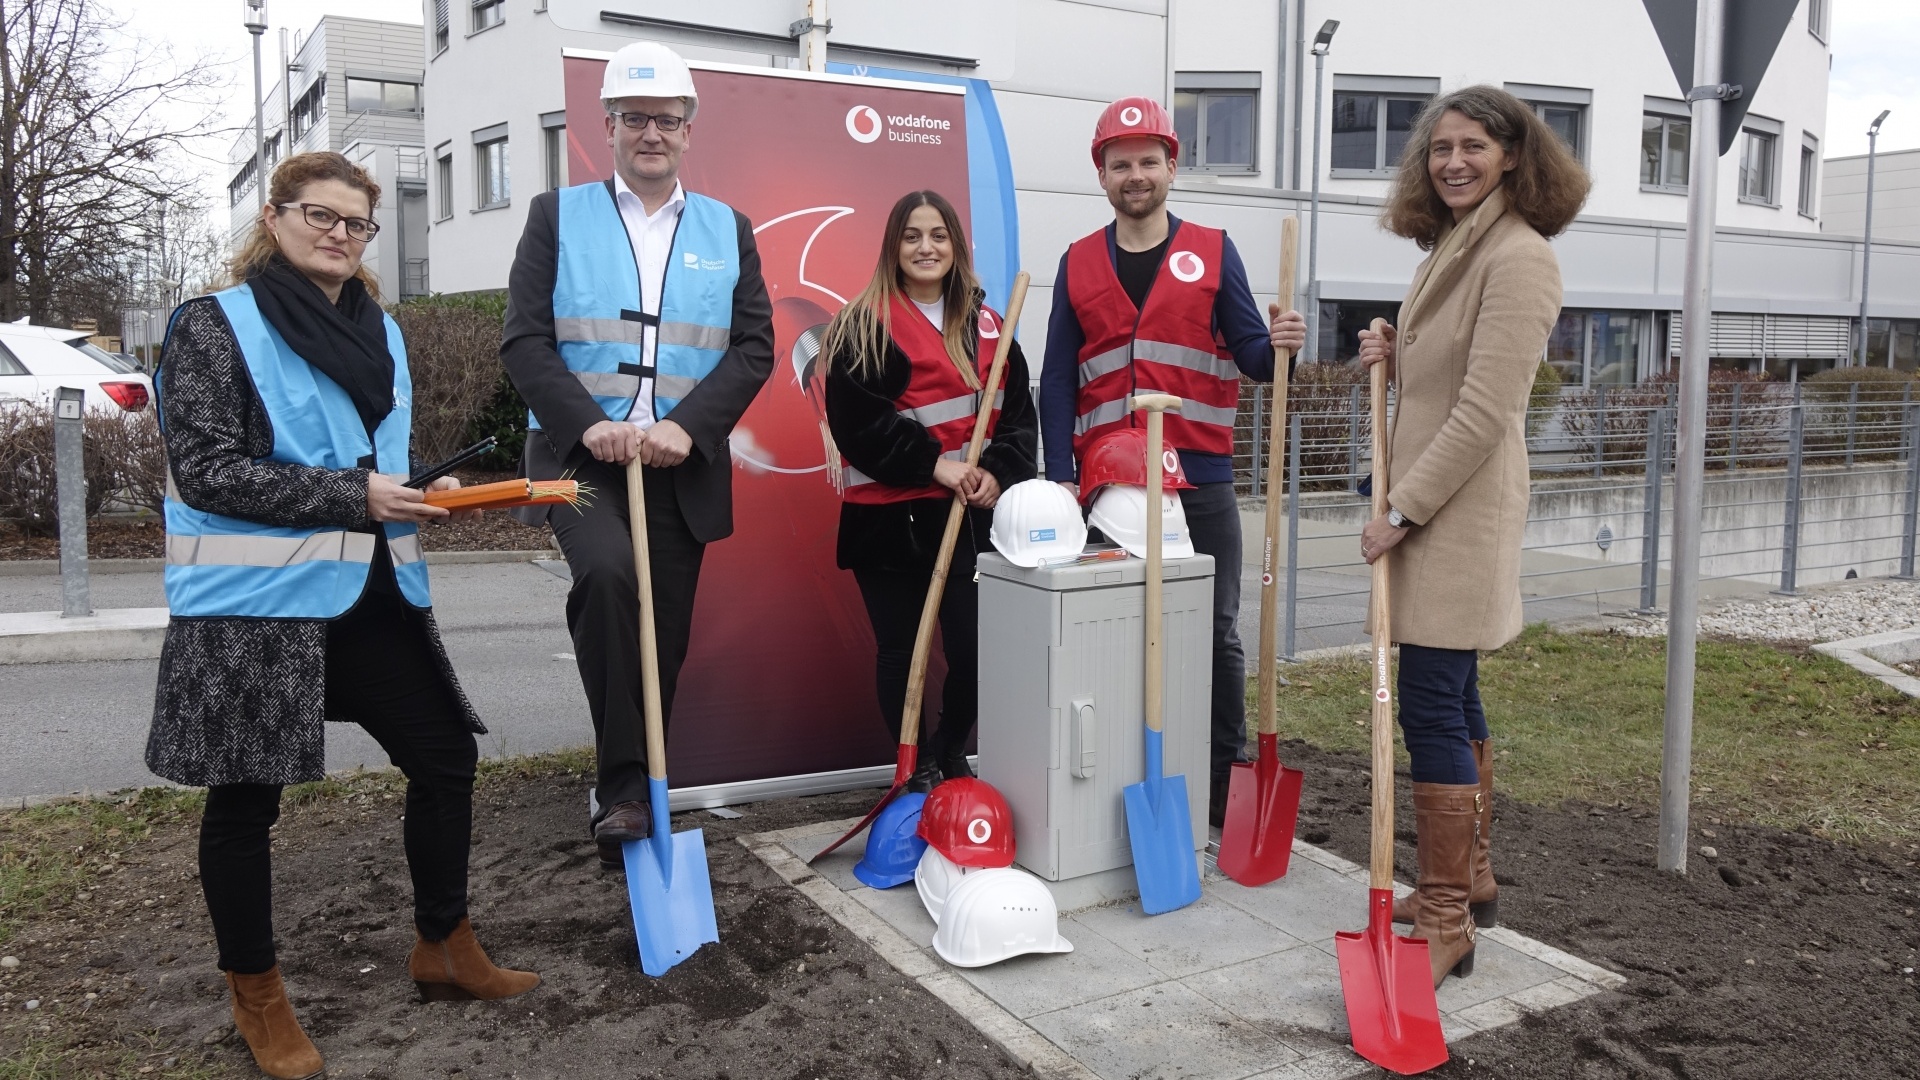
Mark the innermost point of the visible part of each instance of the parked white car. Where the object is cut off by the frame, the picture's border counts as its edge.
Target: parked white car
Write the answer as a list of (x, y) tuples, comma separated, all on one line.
[(36, 360)]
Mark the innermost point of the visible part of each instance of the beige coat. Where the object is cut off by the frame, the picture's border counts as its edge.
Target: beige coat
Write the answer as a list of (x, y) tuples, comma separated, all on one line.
[(1467, 351)]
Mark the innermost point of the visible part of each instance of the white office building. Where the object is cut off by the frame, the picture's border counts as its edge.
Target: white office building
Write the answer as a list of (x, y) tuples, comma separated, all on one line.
[(1243, 83), (1896, 216), (352, 85)]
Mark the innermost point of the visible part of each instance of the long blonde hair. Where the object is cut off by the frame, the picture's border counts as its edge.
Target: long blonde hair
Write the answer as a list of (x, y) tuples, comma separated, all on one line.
[(861, 330), (290, 178)]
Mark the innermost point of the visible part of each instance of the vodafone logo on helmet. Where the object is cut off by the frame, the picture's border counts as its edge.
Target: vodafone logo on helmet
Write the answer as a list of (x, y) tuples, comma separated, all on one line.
[(1130, 115), (1170, 461), (1186, 266), (863, 123), (979, 830)]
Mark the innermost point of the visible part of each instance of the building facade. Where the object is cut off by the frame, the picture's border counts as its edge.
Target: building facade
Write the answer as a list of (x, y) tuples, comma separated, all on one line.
[(1896, 216), (1243, 84), (352, 85)]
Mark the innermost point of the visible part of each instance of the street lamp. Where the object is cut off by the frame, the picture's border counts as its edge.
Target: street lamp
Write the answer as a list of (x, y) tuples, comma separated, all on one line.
[(1322, 42), (1866, 247), (256, 23)]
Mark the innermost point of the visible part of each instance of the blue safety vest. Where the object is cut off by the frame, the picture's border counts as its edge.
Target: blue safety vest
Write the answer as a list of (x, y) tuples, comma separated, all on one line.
[(599, 319), (228, 566)]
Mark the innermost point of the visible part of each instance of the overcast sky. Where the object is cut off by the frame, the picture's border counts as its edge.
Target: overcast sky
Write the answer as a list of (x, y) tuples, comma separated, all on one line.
[(1876, 60)]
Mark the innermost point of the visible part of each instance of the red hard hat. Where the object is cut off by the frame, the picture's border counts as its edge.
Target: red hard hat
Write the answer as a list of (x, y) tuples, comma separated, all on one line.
[(1120, 457), (1134, 118), (969, 822)]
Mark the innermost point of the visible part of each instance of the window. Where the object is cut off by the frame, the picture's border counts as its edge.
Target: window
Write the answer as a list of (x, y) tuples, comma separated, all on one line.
[(241, 183), (1663, 149), (1215, 113), (1562, 108), (1902, 335), (1809, 174), (1370, 131), (310, 108), (1597, 348), (554, 132), (10, 364), (1756, 168), (440, 34), (375, 95), (443, 181), (490, 172), (488, 13), (1817, 13)]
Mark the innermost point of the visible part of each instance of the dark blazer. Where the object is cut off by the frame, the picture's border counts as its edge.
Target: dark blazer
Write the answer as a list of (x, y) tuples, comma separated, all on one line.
[(703, 484)]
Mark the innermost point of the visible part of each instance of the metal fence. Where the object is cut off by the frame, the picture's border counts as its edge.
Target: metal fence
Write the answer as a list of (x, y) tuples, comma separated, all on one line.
[(1805, 483)]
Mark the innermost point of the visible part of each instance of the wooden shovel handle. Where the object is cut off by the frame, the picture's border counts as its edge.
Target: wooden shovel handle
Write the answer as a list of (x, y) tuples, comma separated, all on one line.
[(1380, 614), (1156, 406), (649, 646), (936, 589), (1267, 695)]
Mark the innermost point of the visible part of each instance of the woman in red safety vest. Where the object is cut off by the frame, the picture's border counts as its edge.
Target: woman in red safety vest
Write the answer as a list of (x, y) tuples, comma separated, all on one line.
[(906, 363)]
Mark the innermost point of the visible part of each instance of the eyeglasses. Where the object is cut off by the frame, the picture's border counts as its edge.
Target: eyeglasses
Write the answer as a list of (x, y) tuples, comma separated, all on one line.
[(637, 121), (361, 229)]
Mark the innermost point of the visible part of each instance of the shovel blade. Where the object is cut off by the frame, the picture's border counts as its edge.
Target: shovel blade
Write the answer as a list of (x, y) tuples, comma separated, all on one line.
[(1263, 805), (672, 897), (1388, 985), (1160, 830)]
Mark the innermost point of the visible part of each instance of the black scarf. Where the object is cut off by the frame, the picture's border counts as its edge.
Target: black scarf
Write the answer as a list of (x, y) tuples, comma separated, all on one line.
[(346, 342)]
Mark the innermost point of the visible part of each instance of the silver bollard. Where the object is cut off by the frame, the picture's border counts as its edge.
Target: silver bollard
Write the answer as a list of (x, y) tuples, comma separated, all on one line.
[(70, 475)]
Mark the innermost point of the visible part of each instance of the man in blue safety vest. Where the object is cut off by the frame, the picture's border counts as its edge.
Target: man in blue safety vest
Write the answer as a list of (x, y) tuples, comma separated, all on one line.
[(637, 325)]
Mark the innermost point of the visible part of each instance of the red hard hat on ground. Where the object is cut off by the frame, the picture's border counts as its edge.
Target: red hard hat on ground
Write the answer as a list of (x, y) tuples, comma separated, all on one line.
[(968, 820), (1134, 118), (1120, 457)]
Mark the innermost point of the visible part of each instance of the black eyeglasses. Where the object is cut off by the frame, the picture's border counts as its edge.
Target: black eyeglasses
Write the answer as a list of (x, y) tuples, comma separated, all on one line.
[(637, 121), (361, 229)]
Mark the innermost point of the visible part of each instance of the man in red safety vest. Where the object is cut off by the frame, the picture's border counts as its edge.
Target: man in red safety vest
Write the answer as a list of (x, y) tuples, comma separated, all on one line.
[(1154, 303)]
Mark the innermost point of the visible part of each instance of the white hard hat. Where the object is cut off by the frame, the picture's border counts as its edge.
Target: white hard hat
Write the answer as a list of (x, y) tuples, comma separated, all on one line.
[(649, 69), (993, 915), (1036, 519), (1120, 512), (935, 878)]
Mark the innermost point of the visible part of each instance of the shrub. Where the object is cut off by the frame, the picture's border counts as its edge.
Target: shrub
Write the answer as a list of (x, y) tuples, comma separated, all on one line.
[(453, 349), (130, 444), (1874, 415), (1609, 424), (29, 488), (1542, 399), (1330, 426)]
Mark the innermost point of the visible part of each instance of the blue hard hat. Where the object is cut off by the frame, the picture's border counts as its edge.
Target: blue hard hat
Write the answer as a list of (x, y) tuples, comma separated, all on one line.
[(894, 846)]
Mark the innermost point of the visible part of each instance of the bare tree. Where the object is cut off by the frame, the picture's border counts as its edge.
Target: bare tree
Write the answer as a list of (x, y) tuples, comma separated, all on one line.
[(86, 153)]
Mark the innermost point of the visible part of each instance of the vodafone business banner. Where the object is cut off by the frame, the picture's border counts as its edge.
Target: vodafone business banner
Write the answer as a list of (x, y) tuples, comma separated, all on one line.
[(779, 677)]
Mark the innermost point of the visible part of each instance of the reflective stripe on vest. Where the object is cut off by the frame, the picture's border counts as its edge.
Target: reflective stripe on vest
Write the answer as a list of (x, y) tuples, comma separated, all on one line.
[(600, 325), (1167, 346), (217, 565), (936, 398)]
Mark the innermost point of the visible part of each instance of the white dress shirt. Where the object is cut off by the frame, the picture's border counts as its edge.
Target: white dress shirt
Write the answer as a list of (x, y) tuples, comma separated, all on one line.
[(652, 238)]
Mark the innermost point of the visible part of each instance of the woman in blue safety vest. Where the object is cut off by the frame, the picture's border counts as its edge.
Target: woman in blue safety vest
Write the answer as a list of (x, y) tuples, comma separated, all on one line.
[(906, 363), (298, 590)]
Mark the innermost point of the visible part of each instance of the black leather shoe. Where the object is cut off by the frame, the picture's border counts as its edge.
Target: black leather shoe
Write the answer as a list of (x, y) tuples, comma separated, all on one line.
[(626, 821), (1217, 801), (611, 856), (954, 766)]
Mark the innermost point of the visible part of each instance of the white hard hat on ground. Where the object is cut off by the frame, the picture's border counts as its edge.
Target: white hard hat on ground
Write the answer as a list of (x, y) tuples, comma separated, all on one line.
[(649, 69), (1037, 519), (993, 915), (935, 879), (1120, 512)]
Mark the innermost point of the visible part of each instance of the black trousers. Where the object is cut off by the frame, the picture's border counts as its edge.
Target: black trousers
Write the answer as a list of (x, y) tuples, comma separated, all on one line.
[(382, 674), (603, 614), (1440, 713), (1213, 518), (894, 600)]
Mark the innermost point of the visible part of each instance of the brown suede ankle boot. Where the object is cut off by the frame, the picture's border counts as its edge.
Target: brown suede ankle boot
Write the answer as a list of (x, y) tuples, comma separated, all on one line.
[(1448, 817), (264, 1017), (457, 969), (1484, 901)]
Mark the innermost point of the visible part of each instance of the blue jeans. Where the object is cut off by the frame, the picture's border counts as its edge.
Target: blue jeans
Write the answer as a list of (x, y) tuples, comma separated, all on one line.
[(1440, 713), (1213, 519)]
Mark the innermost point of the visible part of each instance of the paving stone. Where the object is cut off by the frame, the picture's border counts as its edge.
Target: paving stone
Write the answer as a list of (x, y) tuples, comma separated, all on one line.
[(1096, 968), (900, 908), (837, 867), (1311, 903), (1330, 1065), (1162, 1032), (1199, 937), (1497, 972), (1291, 996)]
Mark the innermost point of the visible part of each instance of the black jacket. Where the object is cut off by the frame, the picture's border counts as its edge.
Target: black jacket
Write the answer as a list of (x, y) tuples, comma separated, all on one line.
[(893, 450), (703, 484)]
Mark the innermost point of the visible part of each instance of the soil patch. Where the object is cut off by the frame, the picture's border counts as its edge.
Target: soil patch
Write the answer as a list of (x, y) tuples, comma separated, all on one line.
[(1781, 955)]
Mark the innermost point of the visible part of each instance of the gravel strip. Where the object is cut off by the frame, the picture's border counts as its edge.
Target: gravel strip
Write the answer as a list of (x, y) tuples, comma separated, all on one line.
[(1829, 615)]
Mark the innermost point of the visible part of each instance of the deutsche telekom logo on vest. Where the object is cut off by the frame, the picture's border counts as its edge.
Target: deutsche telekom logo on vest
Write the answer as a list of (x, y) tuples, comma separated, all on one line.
[(866, 125)]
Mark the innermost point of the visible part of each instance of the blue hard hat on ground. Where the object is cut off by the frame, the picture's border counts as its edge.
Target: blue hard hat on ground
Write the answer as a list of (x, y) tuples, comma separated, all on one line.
[(894, 846)]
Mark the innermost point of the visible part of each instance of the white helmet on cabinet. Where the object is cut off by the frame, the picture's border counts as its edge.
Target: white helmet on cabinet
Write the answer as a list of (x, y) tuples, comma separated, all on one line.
[(994, 915), (1120, 512), (1035, 520), (649, 69)]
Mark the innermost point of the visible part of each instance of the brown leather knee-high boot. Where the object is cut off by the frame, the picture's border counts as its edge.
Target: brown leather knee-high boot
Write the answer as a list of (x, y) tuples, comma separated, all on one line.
[(1484, 899), (264, 1017), (1448, 819)]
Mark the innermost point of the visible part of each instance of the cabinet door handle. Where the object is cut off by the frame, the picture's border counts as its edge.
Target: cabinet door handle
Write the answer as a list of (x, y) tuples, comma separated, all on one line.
[(1084, 739)]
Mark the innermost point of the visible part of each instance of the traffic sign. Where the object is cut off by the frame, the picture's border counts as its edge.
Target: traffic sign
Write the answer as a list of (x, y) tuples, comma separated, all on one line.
[(1752, 33)]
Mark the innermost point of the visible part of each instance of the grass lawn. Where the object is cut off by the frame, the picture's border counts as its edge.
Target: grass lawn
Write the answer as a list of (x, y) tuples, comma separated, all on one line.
[(1780, 737)]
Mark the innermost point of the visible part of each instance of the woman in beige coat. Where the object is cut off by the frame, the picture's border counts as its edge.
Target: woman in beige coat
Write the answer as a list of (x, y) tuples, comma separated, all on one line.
[(1482, 185)]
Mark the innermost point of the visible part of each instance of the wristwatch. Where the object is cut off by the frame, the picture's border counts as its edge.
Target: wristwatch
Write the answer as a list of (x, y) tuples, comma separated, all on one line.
[(1397, 519)]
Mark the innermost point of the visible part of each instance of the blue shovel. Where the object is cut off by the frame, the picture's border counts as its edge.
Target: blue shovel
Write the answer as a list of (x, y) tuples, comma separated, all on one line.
[(667, 878), (1159, 824)]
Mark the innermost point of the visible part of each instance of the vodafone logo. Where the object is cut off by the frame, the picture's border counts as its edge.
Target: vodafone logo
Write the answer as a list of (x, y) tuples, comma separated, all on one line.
[(1170, 461), (989, 326), (1185, 264), (1130, 115), (864, 124), (979, 830)]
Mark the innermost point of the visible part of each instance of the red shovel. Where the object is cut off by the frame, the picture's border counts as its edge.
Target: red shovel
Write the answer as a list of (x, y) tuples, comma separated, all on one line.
[(1263, 796), (1387, 980), (909, 752)]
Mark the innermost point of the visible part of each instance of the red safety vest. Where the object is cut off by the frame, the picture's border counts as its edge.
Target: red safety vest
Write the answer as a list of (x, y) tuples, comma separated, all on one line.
[(936, 398), (1169, 347)]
